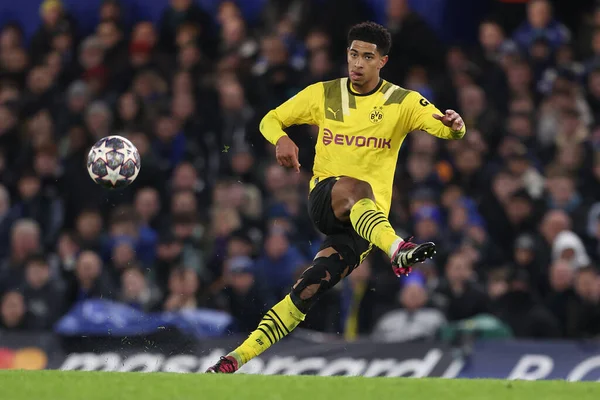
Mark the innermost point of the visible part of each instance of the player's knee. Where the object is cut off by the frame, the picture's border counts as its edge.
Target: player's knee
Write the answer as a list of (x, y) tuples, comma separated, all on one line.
[(323, 274), (346, 192)]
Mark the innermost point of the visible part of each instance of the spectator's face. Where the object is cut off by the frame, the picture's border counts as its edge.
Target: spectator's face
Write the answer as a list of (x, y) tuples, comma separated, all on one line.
[(594, 83), (24, 242), (89, 226), (184, 202), (13, 309), (562, 190), (458, 218), (66, 247), (539, 51), (166, 129), (189, 56), (8, 93), (420, 167), (413, 297), (123, 255), (128, 106), (98, 122), (274, 51), (362, 273), (110, 11), (147, 204), (180, 5), (9, 38), (241, 282), (225, 221), (276, 246), (184, 177), (520, 126), (317, 40), (242, 163), (78, 102), (497, 288), (14, 60), (518, 210), (458, 269), (62, 43), (109, 34), (183, 106), (231, 96), (54, 64), (468, 161), (39, 80), (320, 64), (4, 201), (237, 247), (186, 34), (140, 141), (586, 285), (52, 15), (503, 186), (524, 256), (276, 178), (29, 187), (561, 276), (124, 228), (538, 14), (45, 164), (426, 229), (519, 77), (472, 101), (233, 31), (144, 32), (182, 83), (37, 274), (521, 105), (169, 251), (176, 282), (490, 36), (88, 267), (133, 284), (91, 57), (451, 195), (554, 223), (424, 143), (7, 120), (397, 9)]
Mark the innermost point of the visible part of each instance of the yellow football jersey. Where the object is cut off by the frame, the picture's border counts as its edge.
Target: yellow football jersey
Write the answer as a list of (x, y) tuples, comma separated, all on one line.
[(359, 134)]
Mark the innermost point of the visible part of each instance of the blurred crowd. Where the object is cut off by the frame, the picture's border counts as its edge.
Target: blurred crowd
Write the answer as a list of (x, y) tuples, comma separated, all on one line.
[(213, 222)]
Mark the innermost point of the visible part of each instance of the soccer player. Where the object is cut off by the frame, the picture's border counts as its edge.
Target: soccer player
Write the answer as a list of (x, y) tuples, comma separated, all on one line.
[(362, 121)]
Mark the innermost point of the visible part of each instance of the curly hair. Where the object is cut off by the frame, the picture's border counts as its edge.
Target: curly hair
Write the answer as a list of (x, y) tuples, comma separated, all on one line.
[(371, 32)]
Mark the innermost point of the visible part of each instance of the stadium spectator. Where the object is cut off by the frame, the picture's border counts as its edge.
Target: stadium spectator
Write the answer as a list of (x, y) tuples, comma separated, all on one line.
[(42, 293), (12, 311)]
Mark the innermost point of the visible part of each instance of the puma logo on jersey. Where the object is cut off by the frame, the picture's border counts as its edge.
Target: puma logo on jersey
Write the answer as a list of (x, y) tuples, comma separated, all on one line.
[(333, 112)]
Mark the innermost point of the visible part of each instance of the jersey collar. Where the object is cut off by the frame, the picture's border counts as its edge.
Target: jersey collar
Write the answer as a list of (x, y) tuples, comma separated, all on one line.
[(375, 89)]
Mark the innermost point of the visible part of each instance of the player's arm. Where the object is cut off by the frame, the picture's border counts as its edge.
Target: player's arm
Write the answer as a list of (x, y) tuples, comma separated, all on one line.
[(301, 109), (426, 117), (298, 110)]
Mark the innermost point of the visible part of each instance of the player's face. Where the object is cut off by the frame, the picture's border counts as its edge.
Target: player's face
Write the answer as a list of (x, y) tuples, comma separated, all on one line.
[(364, 62)]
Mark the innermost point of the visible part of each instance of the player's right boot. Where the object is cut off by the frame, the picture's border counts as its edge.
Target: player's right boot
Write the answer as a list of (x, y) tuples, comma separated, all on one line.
[(225, 365), (408, 254)]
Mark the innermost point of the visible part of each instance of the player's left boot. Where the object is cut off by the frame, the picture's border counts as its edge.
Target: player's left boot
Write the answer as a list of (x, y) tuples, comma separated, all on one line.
[(408, 254), (225, 365)]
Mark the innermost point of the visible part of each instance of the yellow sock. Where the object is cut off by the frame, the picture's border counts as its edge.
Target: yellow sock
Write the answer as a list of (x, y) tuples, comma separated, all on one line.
[(277, 323), (373, 225)]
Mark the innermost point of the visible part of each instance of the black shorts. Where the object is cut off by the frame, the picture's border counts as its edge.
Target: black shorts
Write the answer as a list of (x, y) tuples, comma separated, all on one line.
[(340, 235)]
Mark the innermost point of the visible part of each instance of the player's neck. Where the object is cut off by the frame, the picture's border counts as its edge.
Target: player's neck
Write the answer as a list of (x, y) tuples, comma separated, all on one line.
[(367, 88)]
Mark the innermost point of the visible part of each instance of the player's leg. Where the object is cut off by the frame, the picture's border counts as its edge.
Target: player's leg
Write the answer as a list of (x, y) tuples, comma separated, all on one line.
[(353, 200), (327, 269)]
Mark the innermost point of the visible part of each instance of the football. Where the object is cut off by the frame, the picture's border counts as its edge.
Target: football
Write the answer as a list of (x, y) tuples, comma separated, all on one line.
[(113, 162)]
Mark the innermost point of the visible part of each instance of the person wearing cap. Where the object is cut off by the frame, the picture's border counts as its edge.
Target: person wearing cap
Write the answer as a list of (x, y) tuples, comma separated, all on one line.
[(54, 17)]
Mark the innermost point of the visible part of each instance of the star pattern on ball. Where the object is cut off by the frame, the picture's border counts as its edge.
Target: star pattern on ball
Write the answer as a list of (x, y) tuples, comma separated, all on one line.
[(113, 162)]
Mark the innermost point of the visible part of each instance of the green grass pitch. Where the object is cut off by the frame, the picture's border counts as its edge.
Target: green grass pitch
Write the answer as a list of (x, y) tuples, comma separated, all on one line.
[(42, 385)]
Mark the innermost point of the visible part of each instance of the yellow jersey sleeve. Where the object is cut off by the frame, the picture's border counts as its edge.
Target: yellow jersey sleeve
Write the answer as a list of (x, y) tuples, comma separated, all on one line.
[(304, 108), (421, 118)]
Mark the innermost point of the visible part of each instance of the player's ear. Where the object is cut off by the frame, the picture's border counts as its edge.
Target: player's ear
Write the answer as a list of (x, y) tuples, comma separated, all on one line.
[(382, 61)]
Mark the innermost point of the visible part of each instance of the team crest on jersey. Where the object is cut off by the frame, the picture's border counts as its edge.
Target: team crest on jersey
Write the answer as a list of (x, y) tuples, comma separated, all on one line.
[(376, 115)]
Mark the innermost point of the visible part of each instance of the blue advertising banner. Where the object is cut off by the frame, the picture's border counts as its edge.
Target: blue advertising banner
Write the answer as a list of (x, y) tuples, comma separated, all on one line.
[(104, 318), (533, 360)]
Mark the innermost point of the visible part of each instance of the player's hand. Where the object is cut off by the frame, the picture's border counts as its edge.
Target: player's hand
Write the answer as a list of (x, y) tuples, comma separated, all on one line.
[(286, 152), (451, 119)]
